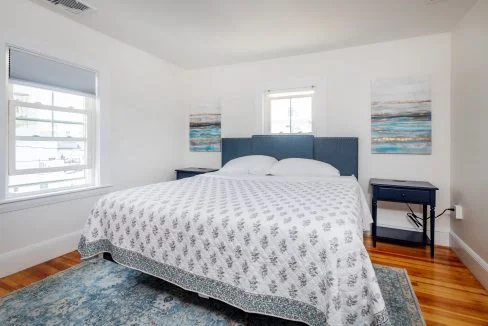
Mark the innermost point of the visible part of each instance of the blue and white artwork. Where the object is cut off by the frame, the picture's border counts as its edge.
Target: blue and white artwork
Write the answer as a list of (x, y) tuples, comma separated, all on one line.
[(401, 116), (205, 132)]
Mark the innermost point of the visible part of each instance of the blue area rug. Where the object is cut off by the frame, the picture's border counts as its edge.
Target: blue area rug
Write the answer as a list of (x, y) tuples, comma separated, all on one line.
[(100, 292)]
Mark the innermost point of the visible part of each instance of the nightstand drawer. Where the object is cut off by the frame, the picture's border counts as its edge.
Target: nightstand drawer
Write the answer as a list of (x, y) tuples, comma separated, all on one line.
[(182, 175), (400, 195), (191, 172)]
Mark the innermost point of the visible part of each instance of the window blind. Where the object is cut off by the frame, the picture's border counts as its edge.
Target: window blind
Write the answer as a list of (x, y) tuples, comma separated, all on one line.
[(39, 70)]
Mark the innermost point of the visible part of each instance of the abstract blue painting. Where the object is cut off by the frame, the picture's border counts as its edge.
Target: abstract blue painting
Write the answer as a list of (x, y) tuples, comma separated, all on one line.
[(205, 132), (401, 116)]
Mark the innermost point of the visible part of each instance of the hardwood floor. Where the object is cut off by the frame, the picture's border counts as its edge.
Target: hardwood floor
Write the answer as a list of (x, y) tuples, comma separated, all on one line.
[(448, 293), (36, 273)]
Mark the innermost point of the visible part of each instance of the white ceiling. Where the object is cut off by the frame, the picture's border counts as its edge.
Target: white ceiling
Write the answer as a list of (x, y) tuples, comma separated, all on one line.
[(202, 33)]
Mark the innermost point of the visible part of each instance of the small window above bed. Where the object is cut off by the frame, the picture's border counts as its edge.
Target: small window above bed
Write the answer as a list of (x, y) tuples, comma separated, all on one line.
[(289, 111)]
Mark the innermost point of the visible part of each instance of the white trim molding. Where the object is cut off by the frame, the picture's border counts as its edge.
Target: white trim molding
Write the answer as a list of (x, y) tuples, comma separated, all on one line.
[(20, 259), (477, 265), (20, 203)]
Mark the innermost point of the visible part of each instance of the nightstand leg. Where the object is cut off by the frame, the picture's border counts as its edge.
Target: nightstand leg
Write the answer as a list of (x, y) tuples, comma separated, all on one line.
[(424, 224), (374, 211), (432, 230)]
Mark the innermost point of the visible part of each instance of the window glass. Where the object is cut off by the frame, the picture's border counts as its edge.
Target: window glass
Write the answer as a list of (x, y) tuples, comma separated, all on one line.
[(280, 116), (48, 154), (24, 184), (67, 100), (301, 115), (32, 94), (50, 137), (290, 112)]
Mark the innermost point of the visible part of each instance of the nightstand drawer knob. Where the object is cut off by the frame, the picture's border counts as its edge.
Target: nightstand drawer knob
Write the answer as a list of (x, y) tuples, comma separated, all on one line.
[(404, 195)]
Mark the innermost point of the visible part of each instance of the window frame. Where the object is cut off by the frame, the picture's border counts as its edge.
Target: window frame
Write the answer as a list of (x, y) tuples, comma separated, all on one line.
[(90, 140), (268, 97)]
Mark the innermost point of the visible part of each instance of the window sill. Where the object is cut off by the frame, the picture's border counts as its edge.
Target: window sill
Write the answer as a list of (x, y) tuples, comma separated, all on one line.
[(21, 203)]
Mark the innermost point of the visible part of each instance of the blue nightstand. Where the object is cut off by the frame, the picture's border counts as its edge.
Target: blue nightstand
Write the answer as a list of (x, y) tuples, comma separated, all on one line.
[(411, 192), (191, 172)]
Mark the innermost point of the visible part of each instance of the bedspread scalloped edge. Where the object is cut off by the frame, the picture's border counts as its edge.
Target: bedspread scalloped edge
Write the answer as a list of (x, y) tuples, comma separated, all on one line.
[(249, 302)]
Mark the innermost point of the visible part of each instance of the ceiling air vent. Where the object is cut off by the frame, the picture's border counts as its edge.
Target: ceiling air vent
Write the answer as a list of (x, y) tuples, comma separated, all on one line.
[(74, 7), (433, 2)]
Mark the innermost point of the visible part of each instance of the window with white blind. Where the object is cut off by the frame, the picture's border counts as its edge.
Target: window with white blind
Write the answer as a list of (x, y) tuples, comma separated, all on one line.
[(289, 112), (50, 126)]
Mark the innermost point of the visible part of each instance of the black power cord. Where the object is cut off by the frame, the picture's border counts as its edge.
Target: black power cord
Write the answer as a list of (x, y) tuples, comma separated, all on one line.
[(418, 221)]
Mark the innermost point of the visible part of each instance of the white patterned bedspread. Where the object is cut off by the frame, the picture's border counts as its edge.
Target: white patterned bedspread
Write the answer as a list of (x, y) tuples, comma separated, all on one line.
[(287, 247)]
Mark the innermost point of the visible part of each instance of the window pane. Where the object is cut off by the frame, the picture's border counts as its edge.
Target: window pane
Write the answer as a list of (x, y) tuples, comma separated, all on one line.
[(32, 94), (30, 113), (68, 116), (17, 180), (48, 181), (301, 115), (28, 126), (40, 154), (67, 100), (69, 130), (33, 128), (49, 154), (280, 116)]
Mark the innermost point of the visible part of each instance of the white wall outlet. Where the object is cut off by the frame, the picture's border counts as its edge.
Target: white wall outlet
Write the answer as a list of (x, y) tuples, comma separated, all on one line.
[(459, 212)]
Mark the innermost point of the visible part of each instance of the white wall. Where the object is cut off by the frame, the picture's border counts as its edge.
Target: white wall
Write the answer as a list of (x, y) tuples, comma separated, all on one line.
[(469, 136), (142, 134), (342, 106)]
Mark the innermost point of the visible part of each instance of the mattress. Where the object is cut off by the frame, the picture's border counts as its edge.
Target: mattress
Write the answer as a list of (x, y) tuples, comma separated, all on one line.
[(289, 247)]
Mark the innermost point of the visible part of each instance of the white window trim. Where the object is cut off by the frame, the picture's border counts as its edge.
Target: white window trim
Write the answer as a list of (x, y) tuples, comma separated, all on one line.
[(100, 185), (50, 198), (267, 106), (90, 141)]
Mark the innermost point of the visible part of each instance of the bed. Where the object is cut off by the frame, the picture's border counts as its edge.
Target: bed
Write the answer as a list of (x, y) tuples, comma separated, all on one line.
[(289, 247)]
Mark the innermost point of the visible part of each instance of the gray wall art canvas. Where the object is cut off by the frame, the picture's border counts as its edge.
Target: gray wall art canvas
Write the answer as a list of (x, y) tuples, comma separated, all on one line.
[(401, 116), (205, 132)]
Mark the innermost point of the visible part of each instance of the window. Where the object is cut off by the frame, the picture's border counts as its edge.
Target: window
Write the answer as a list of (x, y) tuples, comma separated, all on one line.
[(289, 112), (51, 136)]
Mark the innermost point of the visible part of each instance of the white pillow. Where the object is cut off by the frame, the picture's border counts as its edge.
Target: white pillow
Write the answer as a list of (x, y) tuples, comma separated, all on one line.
[(251, 164), (303, 167)]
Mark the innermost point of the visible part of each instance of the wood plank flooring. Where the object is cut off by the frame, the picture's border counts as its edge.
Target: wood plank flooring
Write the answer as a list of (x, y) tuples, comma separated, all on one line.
[(448, 293), (36, 273)]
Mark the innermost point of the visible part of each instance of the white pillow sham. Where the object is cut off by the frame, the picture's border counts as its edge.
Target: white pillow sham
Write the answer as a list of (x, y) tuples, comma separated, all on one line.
[(303, 167), (250, 164)]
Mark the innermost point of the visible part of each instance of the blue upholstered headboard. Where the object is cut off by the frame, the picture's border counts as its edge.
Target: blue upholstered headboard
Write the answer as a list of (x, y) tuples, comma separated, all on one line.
[(341, 152)]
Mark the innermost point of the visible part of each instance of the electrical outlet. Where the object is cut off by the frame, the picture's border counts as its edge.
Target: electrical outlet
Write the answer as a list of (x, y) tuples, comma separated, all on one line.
[(458, 209)]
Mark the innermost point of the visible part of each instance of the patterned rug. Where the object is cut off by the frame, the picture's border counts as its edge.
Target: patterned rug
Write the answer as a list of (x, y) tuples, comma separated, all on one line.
[(100, 292)]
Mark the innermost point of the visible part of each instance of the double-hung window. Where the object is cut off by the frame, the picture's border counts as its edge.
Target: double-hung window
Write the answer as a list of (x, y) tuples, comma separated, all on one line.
[(51, 125), (289, 112)]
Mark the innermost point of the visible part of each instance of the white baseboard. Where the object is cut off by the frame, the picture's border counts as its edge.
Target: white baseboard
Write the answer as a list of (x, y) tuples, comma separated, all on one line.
[(441, 235), (470, 258), (17, 260)]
